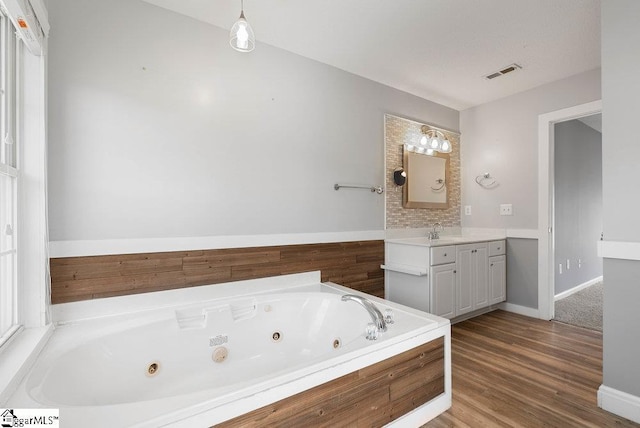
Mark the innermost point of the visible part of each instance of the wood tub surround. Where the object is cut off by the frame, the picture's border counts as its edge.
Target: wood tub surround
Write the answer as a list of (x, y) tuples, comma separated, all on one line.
[(352, 264), (370, 397)]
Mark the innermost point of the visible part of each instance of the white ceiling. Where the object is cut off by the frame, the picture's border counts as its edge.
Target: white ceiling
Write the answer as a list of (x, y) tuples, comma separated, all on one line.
[(436, 49)]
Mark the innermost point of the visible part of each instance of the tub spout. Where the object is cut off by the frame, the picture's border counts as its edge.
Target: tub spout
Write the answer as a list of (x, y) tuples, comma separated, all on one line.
[(376, 315)]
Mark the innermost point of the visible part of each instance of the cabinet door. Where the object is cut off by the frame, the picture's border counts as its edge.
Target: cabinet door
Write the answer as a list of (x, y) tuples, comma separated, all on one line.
[(498, 279), (481, 280), (443, 290), (464, 279)]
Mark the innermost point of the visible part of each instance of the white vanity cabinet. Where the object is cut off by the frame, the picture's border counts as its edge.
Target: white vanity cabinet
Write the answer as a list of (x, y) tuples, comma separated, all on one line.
[(472, 283), (407, 268), (497, 272), (445, 280)]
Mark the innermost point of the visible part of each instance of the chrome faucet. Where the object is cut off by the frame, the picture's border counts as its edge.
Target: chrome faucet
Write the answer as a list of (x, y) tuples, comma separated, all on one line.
[(435, 233), (376, 315)]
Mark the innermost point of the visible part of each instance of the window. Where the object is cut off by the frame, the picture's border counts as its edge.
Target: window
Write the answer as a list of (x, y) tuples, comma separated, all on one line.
[(9, 61)]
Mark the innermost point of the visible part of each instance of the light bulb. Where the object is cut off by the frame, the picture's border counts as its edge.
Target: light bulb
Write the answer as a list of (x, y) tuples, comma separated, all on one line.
[(409, 147), (242, 36), (435, 143), (421, 150), (430, 152), (423, 140), (446, 146)]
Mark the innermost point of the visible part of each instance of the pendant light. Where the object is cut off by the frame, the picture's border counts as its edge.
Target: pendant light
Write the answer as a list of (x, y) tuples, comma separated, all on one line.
[(242, 38)]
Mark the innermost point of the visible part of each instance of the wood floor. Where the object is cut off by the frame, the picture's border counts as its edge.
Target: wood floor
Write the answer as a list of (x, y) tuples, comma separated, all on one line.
[(514, 371)]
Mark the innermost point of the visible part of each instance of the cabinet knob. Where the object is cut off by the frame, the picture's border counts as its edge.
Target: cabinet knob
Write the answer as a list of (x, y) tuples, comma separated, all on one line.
[(498, 248), (445, 254), (455, 271), (491, 264)]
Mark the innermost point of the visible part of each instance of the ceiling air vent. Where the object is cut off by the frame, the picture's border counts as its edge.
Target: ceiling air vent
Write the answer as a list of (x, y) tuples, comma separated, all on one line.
[(505, 70)]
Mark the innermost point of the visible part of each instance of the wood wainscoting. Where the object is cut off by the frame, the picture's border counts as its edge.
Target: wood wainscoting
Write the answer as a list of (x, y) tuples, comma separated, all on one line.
[(370, 397), (352, 264)]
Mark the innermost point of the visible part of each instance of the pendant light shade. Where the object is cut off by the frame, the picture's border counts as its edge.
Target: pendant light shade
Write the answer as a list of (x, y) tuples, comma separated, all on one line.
[(241, 37)]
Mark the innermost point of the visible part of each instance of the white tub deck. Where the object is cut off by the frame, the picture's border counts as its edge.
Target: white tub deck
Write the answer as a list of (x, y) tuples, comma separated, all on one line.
[(87, 322)]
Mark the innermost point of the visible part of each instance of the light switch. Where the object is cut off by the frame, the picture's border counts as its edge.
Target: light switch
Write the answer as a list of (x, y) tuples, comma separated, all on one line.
[(560, 268), (467, 210)]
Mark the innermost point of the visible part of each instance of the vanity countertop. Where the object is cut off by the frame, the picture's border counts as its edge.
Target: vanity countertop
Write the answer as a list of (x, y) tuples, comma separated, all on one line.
[(424, 241)]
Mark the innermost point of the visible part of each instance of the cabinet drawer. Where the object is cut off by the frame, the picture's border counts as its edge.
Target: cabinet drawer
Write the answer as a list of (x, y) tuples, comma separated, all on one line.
[(442, 255), (496, 248)]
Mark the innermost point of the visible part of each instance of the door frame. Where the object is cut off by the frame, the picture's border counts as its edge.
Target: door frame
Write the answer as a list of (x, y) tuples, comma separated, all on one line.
[(546, 247)]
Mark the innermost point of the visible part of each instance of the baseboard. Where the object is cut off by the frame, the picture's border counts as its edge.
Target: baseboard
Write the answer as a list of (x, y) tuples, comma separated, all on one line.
[(473, 314), (577, 288), (619, 403), (521, 310)]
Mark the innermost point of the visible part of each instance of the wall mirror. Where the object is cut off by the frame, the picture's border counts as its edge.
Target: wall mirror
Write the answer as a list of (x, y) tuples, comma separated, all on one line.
[(427, 180)]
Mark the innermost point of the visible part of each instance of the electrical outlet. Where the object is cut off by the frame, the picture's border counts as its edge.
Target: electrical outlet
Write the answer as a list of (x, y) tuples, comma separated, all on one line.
[(568, 264), (506, 209), (560, 268), (467, 210)]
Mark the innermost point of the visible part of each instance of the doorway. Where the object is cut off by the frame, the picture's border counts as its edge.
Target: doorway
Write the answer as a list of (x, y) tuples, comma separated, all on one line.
[(577, 221), (546, 247)]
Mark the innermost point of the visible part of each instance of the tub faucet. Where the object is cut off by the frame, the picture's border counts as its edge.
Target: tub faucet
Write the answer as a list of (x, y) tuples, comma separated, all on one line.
[(376, 315), (435, 233)]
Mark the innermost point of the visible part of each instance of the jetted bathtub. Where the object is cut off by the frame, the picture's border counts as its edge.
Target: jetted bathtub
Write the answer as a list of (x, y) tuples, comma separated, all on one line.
[(201, 356)]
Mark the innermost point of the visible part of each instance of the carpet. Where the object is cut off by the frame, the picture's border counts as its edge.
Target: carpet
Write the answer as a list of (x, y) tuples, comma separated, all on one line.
[(583, 309)]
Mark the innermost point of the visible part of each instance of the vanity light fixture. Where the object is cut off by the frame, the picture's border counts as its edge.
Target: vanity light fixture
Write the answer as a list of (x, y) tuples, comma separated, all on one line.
[(432, 141), (242, 38)]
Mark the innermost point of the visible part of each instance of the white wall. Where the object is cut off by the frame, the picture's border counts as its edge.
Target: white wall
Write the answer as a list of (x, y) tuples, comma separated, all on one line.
[(501, 138), (158, 128)]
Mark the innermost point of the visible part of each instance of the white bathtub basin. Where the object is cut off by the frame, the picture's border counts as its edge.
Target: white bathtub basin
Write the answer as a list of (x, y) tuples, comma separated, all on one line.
[(276, 344)]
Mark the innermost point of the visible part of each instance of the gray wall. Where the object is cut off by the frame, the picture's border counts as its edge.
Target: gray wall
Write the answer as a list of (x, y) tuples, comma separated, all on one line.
[(577, 203), (157, 128), (522, 272), (501, 137), (621, 177)]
